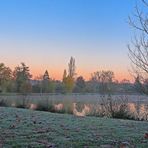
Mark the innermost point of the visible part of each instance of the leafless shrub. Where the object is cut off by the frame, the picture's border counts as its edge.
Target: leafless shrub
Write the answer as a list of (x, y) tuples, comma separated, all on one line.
[(115, 108)]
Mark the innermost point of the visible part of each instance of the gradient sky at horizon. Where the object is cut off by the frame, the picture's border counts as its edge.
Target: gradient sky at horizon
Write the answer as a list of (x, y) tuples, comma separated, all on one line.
[(46, 33)]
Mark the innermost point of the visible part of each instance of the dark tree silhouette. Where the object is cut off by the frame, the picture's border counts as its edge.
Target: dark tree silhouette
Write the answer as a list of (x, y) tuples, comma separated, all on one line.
[(80, 85), (22, 78)]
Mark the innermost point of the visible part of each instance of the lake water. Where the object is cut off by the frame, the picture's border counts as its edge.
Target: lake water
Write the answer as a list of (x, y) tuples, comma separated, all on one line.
[(84, 104)]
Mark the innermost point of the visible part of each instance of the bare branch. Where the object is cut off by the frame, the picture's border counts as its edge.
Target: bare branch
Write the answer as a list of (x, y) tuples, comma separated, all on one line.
[(138, 52), (146, 3)]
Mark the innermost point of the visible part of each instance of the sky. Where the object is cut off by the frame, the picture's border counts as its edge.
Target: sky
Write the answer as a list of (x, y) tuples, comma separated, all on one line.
[(44, 34)]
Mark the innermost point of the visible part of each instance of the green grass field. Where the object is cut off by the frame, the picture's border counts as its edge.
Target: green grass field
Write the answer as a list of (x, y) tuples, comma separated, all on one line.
[(26, 128)]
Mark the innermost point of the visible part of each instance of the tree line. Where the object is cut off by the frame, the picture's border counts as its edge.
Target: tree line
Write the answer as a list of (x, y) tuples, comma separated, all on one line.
[(20, 81)]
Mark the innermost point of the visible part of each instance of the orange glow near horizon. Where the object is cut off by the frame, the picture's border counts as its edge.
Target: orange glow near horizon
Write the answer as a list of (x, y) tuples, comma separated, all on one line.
[(45, 39), (57, 74)]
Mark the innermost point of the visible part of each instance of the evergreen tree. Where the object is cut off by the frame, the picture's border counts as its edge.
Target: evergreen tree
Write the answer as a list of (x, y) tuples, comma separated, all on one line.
[(46, 76), (22, 78), (48, 85), (5, 77), (45, 82)]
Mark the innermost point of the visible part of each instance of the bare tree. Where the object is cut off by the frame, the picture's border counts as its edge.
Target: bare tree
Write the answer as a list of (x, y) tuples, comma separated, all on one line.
[(104, 79), (138, 50)]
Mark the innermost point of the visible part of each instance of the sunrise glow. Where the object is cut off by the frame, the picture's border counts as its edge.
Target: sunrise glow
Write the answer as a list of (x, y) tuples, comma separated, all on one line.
[(44, 35)]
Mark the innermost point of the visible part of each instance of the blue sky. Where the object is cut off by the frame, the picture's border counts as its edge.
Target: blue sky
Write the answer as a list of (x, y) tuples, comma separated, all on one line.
[(45, 33)]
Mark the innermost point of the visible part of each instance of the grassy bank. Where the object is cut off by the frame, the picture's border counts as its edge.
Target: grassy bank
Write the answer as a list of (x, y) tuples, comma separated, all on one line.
[(25, 128)]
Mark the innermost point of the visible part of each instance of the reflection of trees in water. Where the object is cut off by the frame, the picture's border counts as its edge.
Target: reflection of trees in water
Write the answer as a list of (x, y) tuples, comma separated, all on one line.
[(146, 111), (137, 110), (137, 107), (99, 107), (141, 111)]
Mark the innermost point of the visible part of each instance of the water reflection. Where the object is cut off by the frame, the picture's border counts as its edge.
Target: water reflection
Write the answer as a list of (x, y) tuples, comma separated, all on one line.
[(33, 106), (86, 110), (138, 110), (59, 106)]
